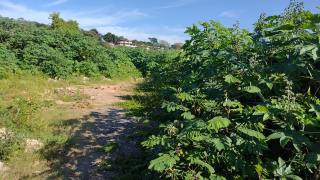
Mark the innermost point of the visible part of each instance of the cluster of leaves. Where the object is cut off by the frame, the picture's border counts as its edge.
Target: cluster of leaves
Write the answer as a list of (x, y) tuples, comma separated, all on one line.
[(9, 144), (148, 61), (19, 119), (241, 105), (59, 50), (23, 115), (8, 62)]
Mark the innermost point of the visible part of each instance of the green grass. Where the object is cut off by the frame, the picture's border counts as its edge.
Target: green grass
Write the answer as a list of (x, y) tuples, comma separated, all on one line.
[(28, 110), (130, 104), (72, 97), (82, 80), (28, 86), (110, 147)]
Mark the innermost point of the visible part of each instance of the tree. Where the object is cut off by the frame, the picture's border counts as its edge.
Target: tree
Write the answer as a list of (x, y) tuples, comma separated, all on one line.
[(177, 45), (111, 38), (121, 38), (59, 23), (153, 40), (93, 33), (164, 44)]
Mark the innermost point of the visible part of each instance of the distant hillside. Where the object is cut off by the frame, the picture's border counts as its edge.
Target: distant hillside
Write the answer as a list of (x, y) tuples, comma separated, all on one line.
[(59, 50)]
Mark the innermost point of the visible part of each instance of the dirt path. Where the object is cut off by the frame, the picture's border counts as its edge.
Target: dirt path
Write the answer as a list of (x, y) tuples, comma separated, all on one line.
[(101, 125)]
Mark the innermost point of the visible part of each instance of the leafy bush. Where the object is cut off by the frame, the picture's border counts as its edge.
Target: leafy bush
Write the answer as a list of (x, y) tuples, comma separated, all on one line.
[(118, 66), (61, 50), (9, 144), (48, 60), (240, 105), (8, 62), (23, 114), (19, 118), (147, 61), (88, 68)]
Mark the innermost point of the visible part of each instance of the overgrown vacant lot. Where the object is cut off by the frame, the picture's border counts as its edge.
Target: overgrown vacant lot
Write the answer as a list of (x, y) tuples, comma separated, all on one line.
[(231, 104)]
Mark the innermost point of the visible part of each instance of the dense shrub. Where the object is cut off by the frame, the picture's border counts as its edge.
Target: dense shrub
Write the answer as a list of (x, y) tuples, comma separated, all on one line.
[(9, 144), (8, 61), (147, 61), (46, 59), (60, 51), (21, 117), (240, 105), (88, 68)]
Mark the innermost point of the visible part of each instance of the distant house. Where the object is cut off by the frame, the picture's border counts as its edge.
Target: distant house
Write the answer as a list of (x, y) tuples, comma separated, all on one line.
[(126, 43)]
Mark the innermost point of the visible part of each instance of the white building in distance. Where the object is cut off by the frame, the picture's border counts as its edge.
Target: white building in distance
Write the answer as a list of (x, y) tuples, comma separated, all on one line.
[(126, 43)]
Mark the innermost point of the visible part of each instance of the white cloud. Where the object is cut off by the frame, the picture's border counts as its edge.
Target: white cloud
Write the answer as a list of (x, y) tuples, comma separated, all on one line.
[(10, 9), (176, 3), (56, 2), (230, 14), (92, 20), (85, 19)]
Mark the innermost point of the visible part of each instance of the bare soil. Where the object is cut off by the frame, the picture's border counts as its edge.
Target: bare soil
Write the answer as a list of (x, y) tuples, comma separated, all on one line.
[(101, 123)]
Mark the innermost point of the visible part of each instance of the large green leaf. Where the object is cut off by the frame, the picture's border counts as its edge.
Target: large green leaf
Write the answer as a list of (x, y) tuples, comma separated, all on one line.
[(260, 110), (276, 135), (217, 177), (284, 141), (187, 115), (314, 54), (231, 79), (196, 136), (252, 89), (205, 165), (184, 96), (218, 144), (163, 162), (251, 133), (218, 123), (307, 48)]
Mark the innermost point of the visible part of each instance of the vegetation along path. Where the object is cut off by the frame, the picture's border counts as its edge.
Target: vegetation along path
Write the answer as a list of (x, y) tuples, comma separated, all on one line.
[(103, 129)]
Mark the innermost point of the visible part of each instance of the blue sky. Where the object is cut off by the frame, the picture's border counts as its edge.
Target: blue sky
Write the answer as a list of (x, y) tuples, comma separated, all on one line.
[(140, 19)]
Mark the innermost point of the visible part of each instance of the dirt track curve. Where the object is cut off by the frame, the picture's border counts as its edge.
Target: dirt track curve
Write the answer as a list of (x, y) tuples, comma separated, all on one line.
[(102, 123)]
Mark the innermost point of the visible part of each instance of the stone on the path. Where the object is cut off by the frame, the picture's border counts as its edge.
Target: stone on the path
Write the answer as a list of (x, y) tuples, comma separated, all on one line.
[(1, 166), (3, 133), (33, 145)]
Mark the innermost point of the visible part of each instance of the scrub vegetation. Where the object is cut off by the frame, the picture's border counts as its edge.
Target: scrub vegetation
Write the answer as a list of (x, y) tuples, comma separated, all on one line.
[(230, 104)]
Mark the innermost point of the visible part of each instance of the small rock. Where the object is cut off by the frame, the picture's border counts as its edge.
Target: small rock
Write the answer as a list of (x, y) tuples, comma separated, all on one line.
[(85, 78), (52, 80), (33, 145), (69, 88), (37, 172), (1, 166), (106, 79), (5, 134)]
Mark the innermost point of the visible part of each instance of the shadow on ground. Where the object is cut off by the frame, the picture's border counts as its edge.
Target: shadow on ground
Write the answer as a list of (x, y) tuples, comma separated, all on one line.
[(81, 157)]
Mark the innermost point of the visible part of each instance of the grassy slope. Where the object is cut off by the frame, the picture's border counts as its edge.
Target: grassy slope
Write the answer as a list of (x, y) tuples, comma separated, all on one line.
[(28, 108)]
